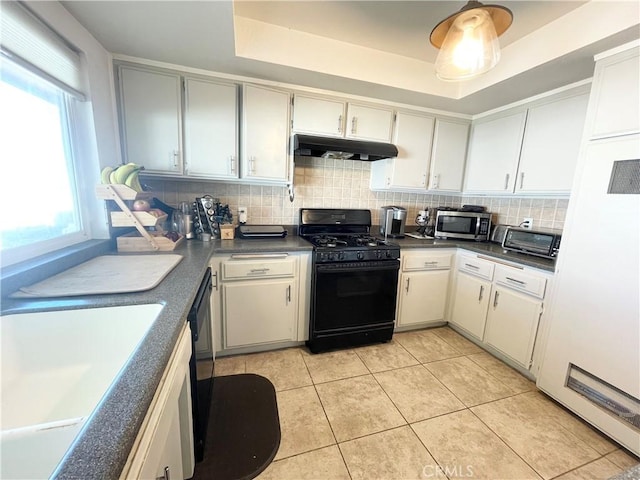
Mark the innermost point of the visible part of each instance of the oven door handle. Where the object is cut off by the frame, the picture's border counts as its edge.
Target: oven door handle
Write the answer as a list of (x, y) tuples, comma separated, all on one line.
[(363, 267)]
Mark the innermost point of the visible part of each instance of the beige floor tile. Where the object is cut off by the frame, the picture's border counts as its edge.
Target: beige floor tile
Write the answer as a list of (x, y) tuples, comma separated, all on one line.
[(548, 447), (426, 346), (503, 372), (285, 368), (326, 367), (622, 459), (417, 393), (325, 464), (470, 383), (303, 424), (457, 341), (463, 446), (393, 454), (229, 366), (357, 406), (385, 356), (575, 425), (601, 469)]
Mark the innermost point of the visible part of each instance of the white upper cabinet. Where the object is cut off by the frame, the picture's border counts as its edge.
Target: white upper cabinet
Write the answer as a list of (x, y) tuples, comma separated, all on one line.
[(616, 87), (369, 123), (336, 118), (493, 154), (449, 152), (318, 116), (150, 106), (265, 127), (211, 129), (413, 135), (551, 145)]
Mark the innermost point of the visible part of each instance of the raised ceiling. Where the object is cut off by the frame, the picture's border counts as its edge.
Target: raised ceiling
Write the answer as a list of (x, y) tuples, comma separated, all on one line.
[(374, 49)]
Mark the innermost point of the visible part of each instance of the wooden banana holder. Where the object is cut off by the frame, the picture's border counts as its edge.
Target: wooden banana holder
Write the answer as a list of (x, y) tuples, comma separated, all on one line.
[(132, 242)]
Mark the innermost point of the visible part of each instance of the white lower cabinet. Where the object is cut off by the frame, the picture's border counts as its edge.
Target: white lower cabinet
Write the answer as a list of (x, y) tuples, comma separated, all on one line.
[(423, 287), (260, 300), (512, 324), (164, 447), (259, 311), (471, 300), (499, 305)]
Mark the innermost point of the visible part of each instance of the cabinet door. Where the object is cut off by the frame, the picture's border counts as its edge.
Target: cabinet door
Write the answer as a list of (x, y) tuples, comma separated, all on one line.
[(512, 324), (318, 116), (369, 123), (471, 300), (265, 134), (150, 105), (422, 297), (616, 86), (259, 312), (449, 152), (493, 154), (164, 458), (551, 145), (211, 129), (413, 135)]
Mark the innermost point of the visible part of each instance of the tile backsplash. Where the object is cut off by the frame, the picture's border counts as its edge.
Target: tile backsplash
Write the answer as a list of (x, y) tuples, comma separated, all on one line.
[(328, 183)]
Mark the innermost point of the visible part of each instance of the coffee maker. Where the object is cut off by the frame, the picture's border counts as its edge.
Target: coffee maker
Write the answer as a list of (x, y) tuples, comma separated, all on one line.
[(392, 221)]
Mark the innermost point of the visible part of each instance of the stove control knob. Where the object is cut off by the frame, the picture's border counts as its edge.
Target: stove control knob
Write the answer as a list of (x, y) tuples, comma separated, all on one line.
[(379, 253), (331, 256), (340, 255), (360, 255), (388, 252)]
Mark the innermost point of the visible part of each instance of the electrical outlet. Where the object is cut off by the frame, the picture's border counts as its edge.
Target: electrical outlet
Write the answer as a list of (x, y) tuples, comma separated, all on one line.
[(527, 223), (242, 214)]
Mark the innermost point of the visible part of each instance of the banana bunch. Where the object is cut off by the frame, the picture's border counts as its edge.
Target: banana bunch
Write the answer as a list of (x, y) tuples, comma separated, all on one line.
[(123, 174)]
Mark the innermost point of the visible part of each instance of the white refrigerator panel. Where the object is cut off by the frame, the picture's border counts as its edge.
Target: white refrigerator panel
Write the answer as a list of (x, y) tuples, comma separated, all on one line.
[(595, 310)]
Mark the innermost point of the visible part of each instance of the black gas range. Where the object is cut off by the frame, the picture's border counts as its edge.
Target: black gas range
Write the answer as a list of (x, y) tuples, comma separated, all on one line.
[(354, 279)]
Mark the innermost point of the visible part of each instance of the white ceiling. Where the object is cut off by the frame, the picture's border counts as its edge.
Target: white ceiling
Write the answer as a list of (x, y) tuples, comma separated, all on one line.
[(375, 49)]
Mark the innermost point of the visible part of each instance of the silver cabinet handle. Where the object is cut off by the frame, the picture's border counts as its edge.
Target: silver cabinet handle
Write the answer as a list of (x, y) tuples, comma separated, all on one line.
[(176, 158), (481, 293), (475, 267), (354, 123), (407, 287), (506, 181), (215, 275), (232, 160), (340, 124), (166, 475), (495, 300), (288, 294), (424, 180), (519, 282), (429, 264), (521, 180), (259, 271), (436, 180), (252, 165)]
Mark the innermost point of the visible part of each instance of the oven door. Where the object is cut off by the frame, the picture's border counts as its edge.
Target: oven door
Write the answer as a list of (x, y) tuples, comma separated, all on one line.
[(353, 296)]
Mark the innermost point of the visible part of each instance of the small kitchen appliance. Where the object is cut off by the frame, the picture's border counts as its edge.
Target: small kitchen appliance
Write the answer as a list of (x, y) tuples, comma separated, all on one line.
[(392, 221), (463, 225), (354, 279), (543, 243)]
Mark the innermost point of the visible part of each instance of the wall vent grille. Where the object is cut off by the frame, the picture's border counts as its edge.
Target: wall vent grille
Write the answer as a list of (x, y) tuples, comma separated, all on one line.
[(625, 177)]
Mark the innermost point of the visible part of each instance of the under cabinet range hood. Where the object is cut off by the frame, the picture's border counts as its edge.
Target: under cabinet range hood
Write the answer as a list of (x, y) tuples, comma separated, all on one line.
[(340, 148)]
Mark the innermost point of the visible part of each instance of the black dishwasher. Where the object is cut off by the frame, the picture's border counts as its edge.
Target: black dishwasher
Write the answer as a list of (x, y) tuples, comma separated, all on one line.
[(201, 364)]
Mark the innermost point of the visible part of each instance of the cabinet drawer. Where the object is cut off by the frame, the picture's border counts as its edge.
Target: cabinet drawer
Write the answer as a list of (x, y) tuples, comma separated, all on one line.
[(426, 261), (520, 281), (240, 269), (477, 267)]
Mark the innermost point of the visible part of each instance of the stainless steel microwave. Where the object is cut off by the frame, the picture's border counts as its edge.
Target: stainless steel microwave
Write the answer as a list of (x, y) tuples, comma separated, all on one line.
[(463, 225), (541, 243)]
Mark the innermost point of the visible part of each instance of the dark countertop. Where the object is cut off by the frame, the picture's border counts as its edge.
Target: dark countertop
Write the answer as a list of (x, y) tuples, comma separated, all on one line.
[(103, 446), (483, 248)]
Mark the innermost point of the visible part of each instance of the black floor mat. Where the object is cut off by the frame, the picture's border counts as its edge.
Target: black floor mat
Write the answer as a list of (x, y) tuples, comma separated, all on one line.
[(244, 429)]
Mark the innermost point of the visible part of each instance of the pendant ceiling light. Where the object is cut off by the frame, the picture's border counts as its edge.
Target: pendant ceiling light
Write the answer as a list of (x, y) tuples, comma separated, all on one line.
[(468, 40)]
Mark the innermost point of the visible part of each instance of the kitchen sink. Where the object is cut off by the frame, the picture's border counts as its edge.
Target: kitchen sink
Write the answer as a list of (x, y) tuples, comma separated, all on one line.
[(55, 368)]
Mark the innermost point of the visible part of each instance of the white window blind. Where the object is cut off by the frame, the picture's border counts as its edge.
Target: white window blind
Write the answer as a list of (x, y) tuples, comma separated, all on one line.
[(28, 41)]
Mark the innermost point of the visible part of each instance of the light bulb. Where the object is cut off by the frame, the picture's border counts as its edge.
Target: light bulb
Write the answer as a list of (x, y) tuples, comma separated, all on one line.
[(470, 47)]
